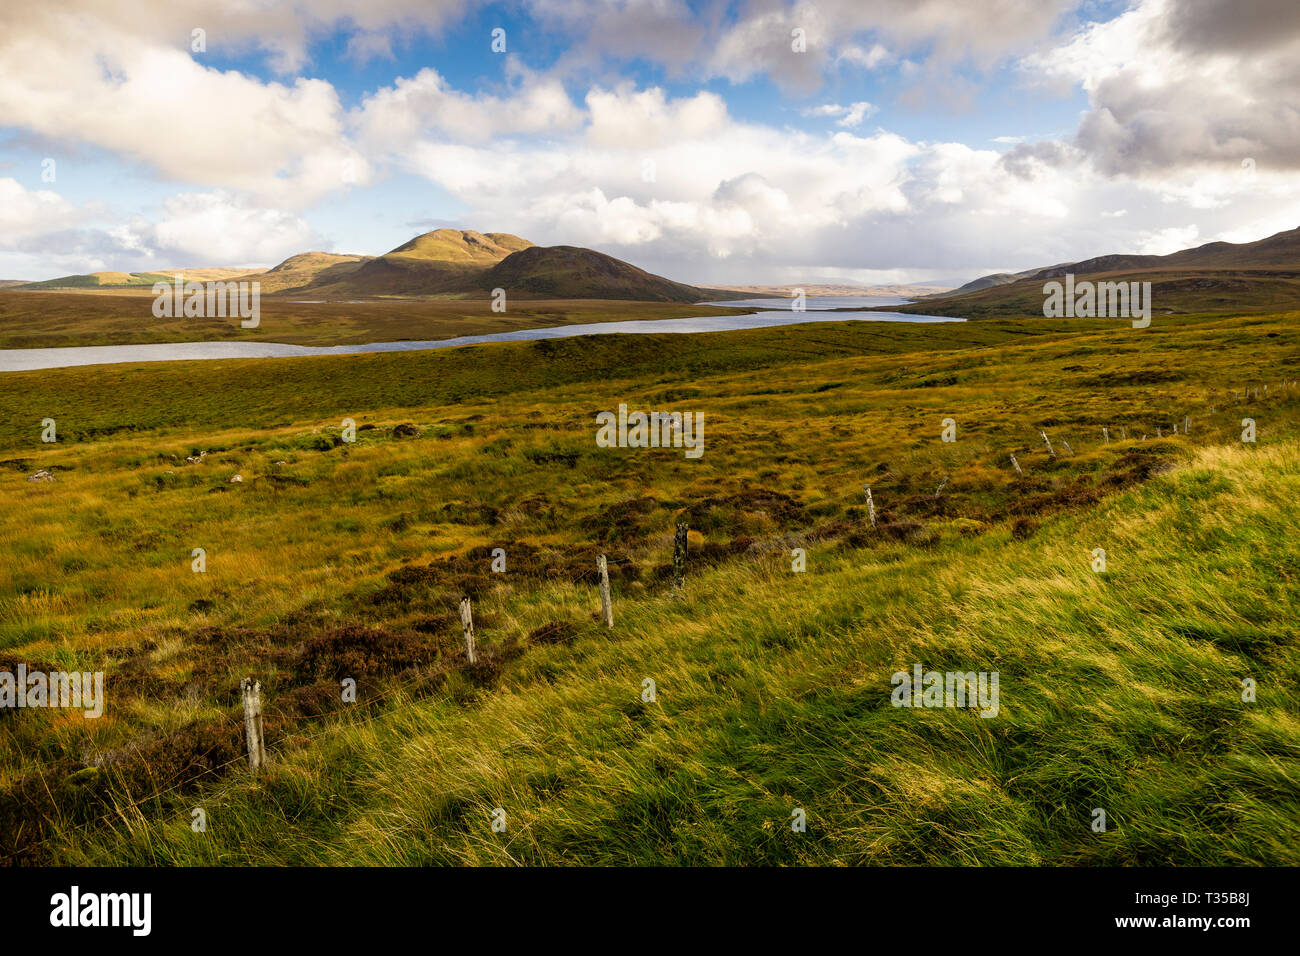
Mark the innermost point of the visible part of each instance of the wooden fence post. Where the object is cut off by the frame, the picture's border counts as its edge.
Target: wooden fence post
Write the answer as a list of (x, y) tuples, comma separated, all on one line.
[(1187, 423), (1048, 443), (1067, 446), (1105, 433), (251, 691), (606, 602), (1016, 465), (679, 557), (467, 619), (943, 484), (871, 506)]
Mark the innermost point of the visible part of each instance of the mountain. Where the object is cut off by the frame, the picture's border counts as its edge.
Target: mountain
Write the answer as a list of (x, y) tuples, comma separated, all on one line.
[(908, 291), (464, 262), (442, 261), (571, 272), (445, 262), (306, 268), (997, 279), (127, 280), (1278, 251), (1218, 277)]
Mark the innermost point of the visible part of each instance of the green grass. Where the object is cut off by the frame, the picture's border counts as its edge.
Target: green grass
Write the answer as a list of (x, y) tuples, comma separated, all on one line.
[(1118, 691)]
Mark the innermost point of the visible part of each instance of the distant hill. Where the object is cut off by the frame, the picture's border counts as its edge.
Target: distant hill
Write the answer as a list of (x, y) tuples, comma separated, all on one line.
[(996, 279), (1279, 251), (445, 262), (1218, 277), (571, 272), (442, 261), (306, 268), (906, 290), (127, 280), (10, 283)]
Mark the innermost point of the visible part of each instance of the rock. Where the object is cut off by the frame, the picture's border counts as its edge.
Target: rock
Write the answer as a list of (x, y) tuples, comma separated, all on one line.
[(41, 476), (280, 464), (236, 478)]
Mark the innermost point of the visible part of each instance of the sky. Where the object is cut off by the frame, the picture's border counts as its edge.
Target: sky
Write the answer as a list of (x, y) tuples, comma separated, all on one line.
[(764, 142)]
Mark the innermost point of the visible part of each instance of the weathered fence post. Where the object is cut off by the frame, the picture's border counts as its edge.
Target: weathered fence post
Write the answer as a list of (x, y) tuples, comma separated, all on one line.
[(1016, 465), (871, 506), (606, 602), (1048, 443), (679, 557), (252, 694), (1187, 423), (467, 619), (943, 484), (1105, 433), (1067, 446)]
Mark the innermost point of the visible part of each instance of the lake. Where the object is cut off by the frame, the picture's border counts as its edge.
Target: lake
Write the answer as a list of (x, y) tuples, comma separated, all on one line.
[(16, 360)]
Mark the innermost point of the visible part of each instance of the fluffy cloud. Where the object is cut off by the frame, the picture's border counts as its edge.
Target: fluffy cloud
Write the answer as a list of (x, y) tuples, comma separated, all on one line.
[(123, 77), (1199, 84), (850, 116), (396, 116), (213, 227), (26, 214)]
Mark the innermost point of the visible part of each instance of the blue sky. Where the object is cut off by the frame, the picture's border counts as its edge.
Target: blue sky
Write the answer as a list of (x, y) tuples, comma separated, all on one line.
[(909, 140)]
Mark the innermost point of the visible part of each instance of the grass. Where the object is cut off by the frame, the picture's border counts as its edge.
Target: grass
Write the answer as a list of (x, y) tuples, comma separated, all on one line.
[(49, 319), (1118, 691), (1174, 291)]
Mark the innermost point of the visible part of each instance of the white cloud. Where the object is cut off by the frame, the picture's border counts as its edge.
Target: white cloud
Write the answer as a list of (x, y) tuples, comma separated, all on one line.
[(394, 117), (849, 116), (1187, 85), (25, 214)]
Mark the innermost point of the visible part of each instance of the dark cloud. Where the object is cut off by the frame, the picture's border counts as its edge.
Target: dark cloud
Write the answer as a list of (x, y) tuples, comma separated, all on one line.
[(1239, 26), (1024, 160)]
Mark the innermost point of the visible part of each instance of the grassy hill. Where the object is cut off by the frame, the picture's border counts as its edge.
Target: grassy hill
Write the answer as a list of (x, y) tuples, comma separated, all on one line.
[(305, 269), (441, 261), (1119, 691), (569, 272), (1279, 251), (1260, 276), (1174, 291), (131, 280), (446, 263)]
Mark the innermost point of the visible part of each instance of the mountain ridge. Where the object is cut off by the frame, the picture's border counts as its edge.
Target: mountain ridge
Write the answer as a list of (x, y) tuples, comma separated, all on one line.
[(1278, 251)]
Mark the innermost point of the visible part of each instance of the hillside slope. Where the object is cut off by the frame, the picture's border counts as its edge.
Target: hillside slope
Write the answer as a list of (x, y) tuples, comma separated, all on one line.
[(1278, 252), (1118, 690), (129, 280), (1126, 698), (306, 268), (441, 261), (570, 272)]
